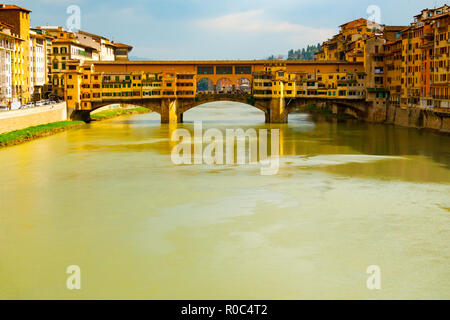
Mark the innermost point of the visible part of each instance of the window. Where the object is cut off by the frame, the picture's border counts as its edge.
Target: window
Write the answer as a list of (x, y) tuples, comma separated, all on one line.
[(243, 70), (379, 70), (205, 70), (224, 70), (185, 76)]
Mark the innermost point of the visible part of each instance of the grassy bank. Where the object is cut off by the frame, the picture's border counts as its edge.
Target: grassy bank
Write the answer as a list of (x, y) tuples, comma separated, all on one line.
[(31, 133), (108, 114)]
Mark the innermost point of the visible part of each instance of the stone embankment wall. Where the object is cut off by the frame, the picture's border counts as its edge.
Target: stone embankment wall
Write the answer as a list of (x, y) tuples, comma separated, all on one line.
[(24, 118), (418, 118), (384, 113)]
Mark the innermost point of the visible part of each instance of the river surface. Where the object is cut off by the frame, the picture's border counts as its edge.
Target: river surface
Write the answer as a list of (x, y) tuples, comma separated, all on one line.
[(108, 198)]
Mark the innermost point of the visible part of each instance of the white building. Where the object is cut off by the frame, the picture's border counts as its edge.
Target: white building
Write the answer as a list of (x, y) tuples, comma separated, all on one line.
[(102, 45), (38, 64), (7, 47)]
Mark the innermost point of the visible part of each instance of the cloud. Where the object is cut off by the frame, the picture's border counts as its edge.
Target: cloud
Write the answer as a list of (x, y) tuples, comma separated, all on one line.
[(256, 22)]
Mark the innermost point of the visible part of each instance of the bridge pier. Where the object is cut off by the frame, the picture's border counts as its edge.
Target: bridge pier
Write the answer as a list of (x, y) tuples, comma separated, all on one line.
[(170, 111), (335, 109), (278, 111), (81, 115)]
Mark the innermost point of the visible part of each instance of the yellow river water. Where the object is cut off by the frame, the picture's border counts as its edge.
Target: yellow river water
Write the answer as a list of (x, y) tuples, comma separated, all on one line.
[(107, 198)]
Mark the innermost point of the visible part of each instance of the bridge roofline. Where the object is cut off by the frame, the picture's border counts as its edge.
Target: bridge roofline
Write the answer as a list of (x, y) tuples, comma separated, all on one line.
[(223, 62)]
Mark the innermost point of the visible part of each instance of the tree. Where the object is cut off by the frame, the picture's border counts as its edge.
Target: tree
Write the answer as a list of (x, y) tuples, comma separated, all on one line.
[(304, 53)]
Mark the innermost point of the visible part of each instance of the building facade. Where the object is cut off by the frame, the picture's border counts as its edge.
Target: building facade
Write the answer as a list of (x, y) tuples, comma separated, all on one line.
[(80, 46), (19, 20), (407, 66), (38, 65), (7, 47)]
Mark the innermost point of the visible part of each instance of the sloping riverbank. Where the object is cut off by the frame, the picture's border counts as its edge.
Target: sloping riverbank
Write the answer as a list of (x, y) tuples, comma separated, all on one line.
[(112, 113), (31, 133)]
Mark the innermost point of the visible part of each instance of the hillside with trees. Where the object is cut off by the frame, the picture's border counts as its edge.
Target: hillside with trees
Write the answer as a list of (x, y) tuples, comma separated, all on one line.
[(300, 54)]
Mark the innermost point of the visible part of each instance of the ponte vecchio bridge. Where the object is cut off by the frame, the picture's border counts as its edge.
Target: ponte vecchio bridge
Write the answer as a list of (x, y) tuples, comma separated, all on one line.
[(173, 87)]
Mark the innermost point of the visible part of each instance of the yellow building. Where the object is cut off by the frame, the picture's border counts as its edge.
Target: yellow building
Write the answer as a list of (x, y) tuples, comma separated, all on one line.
[(337, 83), (83, 85), (348, 44), (81, 46), (65, 48), (19, 20), (393, 69)]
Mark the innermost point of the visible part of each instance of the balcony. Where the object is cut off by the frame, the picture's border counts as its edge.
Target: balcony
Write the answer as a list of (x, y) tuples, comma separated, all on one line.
[(428, 35), (115, 81)]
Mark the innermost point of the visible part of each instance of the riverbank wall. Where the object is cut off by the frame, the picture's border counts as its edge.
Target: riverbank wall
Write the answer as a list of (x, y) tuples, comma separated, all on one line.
[(418, 118), (24, 118)]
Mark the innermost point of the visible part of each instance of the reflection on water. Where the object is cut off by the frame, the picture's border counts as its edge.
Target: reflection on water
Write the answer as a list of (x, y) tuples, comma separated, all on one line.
[(108, 198)]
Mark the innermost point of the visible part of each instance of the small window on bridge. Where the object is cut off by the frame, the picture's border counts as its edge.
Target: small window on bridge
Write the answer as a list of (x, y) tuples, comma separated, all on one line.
[(205, 70), (224, 70), (185, 76), (243, 70)]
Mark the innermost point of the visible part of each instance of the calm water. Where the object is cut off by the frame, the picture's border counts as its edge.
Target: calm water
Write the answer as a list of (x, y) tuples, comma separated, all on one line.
[(108, 198)]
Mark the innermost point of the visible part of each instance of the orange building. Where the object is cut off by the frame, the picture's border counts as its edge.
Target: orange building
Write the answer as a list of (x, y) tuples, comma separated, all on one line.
[(426, 74)]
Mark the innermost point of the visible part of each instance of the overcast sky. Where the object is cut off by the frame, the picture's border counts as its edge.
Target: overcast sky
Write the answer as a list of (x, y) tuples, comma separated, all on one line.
[(211, 29)]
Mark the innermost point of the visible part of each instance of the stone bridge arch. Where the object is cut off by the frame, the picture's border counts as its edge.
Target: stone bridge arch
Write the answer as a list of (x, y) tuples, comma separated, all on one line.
[(171, 110), (276, 110), (356, 108), (84, 115), (244, 98)]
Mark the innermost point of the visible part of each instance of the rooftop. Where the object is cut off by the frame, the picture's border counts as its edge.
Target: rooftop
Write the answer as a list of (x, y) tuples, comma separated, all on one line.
[(12, 7), (224, 62), (121, 45)]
